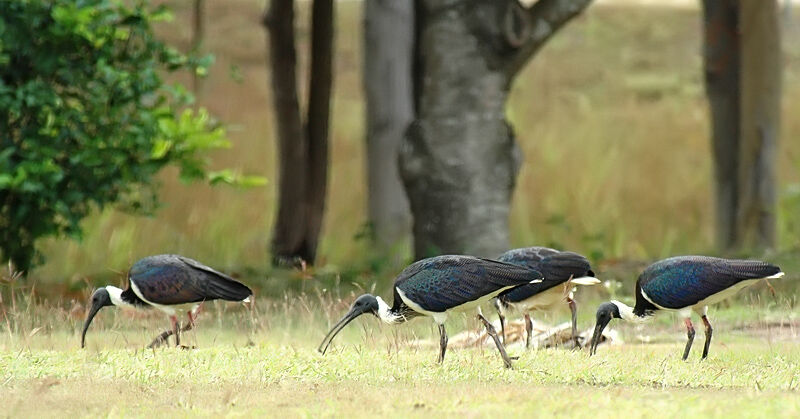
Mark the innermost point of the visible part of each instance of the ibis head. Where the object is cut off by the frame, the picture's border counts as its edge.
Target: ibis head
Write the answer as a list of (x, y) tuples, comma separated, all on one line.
[(605, 313), (100, 298), (367, 303)]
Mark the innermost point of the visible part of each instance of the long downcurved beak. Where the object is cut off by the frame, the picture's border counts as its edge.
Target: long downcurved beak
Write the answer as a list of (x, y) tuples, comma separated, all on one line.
[(598, 334), (352, 314), (89, 318)]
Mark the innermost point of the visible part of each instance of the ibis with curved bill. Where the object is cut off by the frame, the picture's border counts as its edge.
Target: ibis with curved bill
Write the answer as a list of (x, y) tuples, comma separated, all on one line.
[(170, 283), (437, 286), (685, 284)]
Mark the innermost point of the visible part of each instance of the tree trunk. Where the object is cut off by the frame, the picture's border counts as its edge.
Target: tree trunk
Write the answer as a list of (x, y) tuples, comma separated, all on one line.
[(388, 55), (198, 34), (742, 67), (319, 99), (303, 162), (459, 160), (760, 123), (721, 60)]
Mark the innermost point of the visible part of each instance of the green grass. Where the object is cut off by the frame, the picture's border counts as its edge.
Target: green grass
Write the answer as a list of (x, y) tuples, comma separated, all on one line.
[(611, 118), (263, 361)]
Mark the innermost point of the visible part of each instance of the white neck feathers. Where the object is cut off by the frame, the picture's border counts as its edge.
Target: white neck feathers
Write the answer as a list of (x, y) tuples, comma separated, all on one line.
[(626, 312), (116, 297), (385, 313)]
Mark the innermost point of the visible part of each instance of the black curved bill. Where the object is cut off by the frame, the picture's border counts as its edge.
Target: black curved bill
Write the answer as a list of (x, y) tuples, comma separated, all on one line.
[(89, 318), (598, 334), (336, 329)]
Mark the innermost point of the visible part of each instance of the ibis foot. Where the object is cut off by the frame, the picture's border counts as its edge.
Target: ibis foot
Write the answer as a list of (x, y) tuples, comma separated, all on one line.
[(187, 347), (513, 358), (490, 330)]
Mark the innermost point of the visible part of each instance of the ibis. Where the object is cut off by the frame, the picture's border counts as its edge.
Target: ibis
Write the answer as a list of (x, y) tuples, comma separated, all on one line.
[(561, 270), (170, 283), (437, 286), (685, 284)]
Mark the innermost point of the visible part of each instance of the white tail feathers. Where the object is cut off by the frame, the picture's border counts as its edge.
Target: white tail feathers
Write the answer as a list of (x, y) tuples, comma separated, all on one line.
[(246, 300), (585, 280), (776, 276)]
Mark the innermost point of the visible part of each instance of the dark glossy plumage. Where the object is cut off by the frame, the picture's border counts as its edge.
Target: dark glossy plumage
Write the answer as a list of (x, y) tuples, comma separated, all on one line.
[(444, 282), (556, 266), (684, 281), (174, 279)]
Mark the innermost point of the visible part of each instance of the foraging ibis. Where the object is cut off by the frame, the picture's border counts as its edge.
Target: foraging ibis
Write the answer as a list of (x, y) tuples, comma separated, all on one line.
[(437, 286), (170, 283), (685, 284), (561, 270)]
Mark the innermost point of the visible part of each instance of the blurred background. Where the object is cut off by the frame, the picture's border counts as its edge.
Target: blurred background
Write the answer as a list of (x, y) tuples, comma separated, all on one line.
[(610, 112)]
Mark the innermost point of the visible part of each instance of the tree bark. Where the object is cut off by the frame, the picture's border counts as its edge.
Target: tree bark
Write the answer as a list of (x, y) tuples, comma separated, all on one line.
[(303, 162), (459, 160), (722, 62), (759, 24), (742, 67), (388, 55)]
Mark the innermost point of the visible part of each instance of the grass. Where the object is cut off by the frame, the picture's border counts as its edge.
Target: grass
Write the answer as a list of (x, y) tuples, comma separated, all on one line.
[(262, 360), (611, 117)]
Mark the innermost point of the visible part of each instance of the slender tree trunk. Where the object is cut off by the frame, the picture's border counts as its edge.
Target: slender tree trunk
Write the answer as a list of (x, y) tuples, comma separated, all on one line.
[(303, 149), (742, 68), (722, 62), (759, 24), (459, 160), (388, 55), (317, 123), (198, 35)]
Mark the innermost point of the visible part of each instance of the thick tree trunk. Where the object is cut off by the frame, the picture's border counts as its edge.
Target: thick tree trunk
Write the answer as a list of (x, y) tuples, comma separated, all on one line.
[(742, 67), (721, 60), (459, 160), (303, 162), (388, 55), (760, 122)]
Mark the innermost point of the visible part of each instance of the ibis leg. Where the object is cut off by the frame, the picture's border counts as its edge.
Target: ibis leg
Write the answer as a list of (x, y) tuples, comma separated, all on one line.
[(490, 330), (708, 336), (528, 330), (690, 335), (502, 321), (176, 330), (573, 308), (162, 338), (442, 342)]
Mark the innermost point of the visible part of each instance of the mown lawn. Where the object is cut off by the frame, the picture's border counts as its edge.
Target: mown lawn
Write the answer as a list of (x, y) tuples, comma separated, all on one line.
[(265, 363)]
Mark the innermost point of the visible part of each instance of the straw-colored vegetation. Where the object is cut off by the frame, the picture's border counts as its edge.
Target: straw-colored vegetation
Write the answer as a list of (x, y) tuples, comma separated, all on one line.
[(611, 117)]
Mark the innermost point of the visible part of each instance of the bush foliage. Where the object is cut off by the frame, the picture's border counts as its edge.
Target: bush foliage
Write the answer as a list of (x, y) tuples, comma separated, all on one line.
[(86, 119)]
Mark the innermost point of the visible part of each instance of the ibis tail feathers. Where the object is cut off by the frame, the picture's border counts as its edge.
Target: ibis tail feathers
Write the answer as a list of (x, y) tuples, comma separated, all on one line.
[(229, 290)]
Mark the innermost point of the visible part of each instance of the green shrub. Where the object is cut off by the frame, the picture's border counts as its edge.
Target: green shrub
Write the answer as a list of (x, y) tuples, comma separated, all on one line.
[(86, 119)]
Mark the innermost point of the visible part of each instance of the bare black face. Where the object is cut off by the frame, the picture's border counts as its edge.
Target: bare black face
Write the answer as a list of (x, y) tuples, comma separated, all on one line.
[(99, 299), (365, 304), (605, 313)]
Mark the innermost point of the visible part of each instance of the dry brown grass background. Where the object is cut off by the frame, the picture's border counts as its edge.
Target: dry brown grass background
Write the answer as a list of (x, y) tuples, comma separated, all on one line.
[(611, 116)]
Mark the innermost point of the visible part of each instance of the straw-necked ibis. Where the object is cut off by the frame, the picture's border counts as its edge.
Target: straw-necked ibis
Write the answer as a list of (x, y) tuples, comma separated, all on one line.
[(685, 284), (435, 287), (561, 270), (170, 283)]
